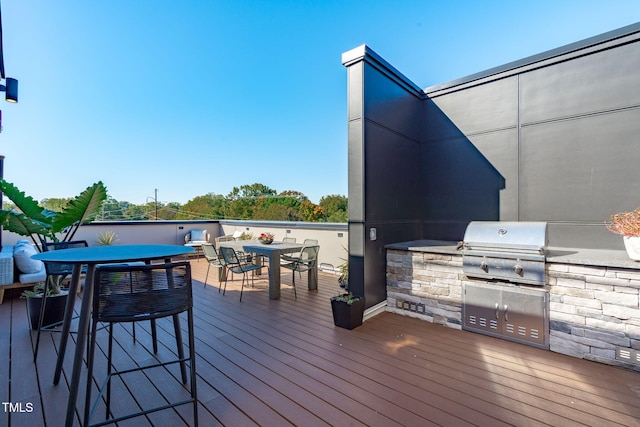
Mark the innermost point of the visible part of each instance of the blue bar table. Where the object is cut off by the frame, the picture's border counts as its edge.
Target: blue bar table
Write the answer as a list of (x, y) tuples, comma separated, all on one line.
[(92, 256)]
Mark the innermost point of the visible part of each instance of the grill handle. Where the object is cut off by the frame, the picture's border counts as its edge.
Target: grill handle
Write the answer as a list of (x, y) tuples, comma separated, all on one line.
[(506, 315)]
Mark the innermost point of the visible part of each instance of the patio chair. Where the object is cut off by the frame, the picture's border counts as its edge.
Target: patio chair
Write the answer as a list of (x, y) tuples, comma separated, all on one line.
[(131, 294), (305, 262), (289, 239), (291, 257), (195, 239), (55, 272), (237, 265), (214, 260)]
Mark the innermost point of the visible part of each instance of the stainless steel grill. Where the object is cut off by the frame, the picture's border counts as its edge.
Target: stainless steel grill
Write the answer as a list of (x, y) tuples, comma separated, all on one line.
[(501, 250)]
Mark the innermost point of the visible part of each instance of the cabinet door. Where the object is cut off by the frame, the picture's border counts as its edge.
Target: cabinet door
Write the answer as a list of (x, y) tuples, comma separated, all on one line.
[(481, 308), (524, 315)]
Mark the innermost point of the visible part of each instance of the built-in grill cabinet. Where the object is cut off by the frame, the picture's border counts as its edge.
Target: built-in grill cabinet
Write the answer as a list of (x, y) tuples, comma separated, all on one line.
[(511, 312), (513, 251), (498, 258)]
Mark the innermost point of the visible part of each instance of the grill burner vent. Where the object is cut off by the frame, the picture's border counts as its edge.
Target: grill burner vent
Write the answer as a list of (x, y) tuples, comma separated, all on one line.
[(501, 250)]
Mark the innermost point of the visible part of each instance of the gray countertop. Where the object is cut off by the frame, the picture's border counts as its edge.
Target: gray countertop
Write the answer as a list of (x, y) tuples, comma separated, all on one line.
[(577, 256)]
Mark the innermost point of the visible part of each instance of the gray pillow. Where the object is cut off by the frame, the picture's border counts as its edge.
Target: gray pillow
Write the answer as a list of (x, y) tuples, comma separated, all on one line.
[(22, 252)]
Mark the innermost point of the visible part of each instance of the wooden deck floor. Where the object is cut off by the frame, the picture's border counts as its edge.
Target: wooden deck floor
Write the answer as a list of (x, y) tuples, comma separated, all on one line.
[(277, 363)]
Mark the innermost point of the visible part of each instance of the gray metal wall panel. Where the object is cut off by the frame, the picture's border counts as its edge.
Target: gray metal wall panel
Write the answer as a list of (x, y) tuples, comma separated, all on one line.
[(459, 182), (500, 148), (599, 82), (391, 105), (392, 176), (355, 107), (582, 169), (479, 109), (356, 172)]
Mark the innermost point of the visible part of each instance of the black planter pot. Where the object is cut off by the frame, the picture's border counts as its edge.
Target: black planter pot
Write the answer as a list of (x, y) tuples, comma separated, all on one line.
[(53, 313), (347, 316)]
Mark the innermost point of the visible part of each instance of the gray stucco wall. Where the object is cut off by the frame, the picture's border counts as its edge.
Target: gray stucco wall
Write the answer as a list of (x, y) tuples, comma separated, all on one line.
[(552, 137)]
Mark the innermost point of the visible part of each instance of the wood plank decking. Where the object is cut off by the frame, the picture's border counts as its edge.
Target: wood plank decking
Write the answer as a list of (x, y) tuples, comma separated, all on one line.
[(277, 363)]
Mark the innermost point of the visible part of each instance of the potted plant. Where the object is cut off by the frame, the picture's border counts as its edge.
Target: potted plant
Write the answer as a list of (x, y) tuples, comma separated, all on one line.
[(266, 238), (41, 225), (628, 225), (343, 268), (348, 310)]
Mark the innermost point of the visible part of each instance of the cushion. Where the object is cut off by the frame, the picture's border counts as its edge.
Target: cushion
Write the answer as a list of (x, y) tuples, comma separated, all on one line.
[(198, 235), (40, 276), (22, 257)]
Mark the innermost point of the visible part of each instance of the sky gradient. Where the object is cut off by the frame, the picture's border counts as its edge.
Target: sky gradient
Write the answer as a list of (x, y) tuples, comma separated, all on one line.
[(197, 97)]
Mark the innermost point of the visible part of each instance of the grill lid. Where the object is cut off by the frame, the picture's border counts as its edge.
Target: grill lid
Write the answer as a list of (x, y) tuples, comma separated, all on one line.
[(506, 236)]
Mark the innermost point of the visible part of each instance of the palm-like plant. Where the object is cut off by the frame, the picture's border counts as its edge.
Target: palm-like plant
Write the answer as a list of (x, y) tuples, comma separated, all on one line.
[(32, 220), (40, 224)]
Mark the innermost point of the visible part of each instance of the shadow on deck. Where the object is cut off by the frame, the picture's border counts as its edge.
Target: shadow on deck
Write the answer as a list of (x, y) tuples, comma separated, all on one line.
[(282, 362)]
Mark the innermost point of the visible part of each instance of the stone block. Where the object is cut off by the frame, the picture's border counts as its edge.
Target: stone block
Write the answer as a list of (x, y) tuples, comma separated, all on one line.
[(574, 292), (570, 283), (556, 325), (632, 331), (569, 318), (562, 307), (582, 270), (563, 343), (628, 274), (606, 323), (606, 353), (610, 338), (625, 299), (560, 268), (605, 281), (620, 312), (582, 302)]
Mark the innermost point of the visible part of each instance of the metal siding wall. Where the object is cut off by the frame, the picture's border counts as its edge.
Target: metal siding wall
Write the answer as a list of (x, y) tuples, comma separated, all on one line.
[(563, 136), (384, 172), (392, 171), (469, 154)]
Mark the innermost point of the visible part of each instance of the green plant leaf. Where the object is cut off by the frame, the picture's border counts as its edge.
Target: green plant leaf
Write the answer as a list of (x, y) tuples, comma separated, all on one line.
[(80, 209), (26, 204), (19, 223)]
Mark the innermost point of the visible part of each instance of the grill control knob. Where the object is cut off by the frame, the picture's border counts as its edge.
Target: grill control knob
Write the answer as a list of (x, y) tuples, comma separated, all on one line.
[(484, 266), (518, 269)]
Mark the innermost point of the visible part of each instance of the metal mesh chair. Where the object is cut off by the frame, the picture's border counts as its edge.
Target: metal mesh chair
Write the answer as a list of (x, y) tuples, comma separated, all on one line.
[(134, 293), (214, 260), (237, 265), (291, 257), (305, 262), (56, 274)]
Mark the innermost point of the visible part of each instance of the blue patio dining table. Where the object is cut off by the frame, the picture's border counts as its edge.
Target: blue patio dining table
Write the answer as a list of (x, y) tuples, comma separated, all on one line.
[(273, 252), (92, 256)]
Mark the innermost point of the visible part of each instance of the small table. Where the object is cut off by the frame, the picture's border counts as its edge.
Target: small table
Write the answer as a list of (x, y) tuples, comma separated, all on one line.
[(273, 252), (92, 256)]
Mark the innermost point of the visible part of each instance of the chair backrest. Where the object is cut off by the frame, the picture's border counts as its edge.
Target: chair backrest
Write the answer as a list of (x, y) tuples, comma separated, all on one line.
[(309, 254), (229, 255), (310, 242), (223, 239), (289, 239), (197, 236), (125, 293), (60, 269), (209, 251)]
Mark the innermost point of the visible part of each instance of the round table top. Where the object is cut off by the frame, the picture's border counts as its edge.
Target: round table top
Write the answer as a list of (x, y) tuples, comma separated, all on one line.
[(110, 254)]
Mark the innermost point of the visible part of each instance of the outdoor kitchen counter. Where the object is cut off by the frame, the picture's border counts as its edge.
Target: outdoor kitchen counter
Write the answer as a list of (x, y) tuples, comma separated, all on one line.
[(575, 256), (432, 246), (593, 257)]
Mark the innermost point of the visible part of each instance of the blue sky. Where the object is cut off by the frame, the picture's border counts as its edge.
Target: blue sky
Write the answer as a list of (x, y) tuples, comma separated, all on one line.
[(192, 97)]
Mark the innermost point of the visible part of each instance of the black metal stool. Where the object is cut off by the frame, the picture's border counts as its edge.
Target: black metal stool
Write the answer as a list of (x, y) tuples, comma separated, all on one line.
[(135, 293)]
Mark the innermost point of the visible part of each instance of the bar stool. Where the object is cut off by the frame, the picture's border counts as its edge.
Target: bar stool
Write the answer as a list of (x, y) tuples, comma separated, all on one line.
[(135, 293)]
